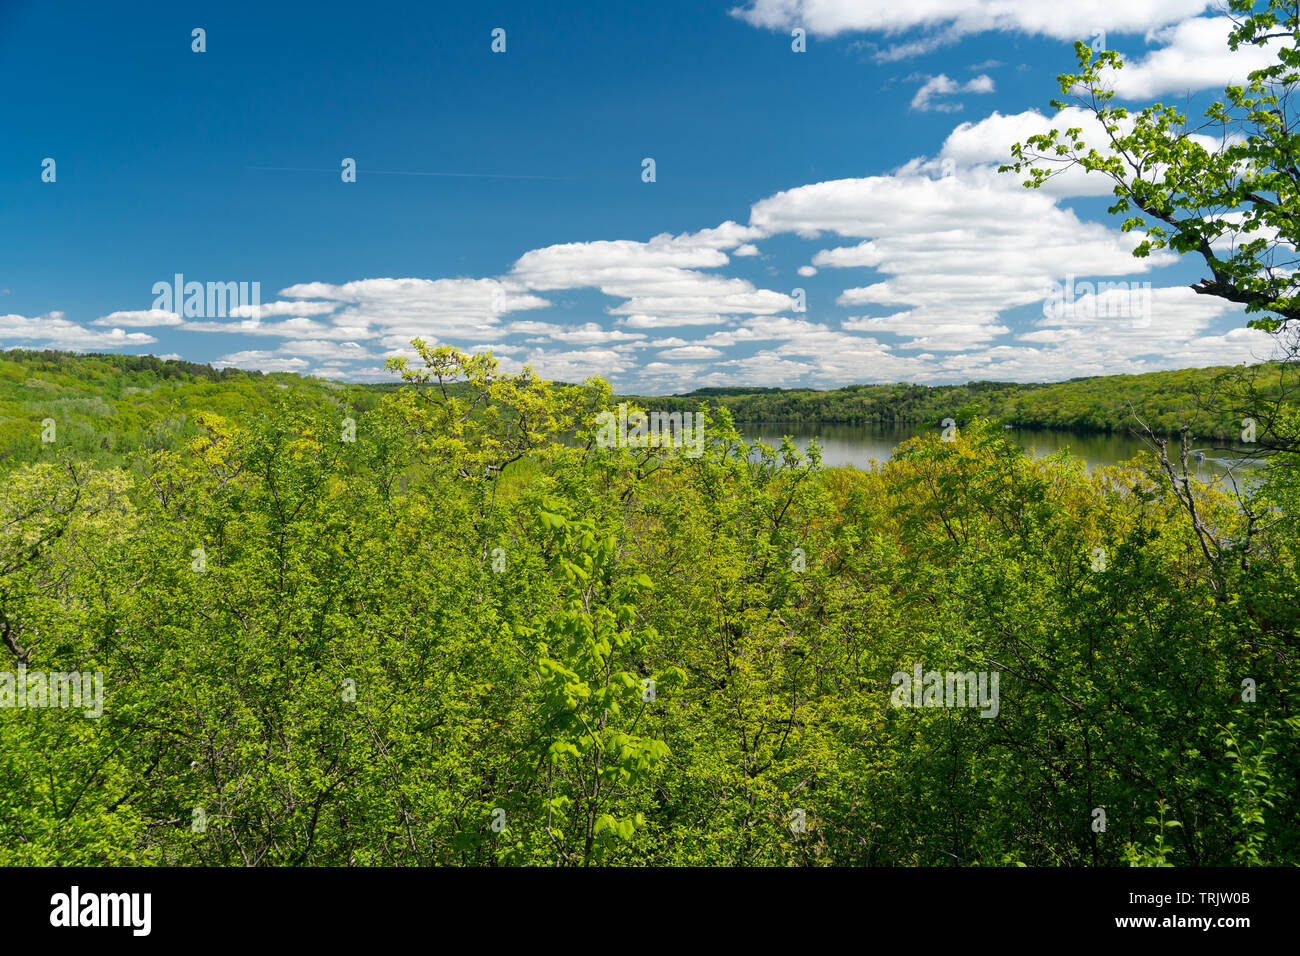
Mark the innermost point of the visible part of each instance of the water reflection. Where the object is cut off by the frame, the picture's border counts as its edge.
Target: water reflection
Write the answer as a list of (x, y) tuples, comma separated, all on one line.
[(859, 445)]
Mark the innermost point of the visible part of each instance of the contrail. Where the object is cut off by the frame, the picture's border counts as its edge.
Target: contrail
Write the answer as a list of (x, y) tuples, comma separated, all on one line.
[(397, 172)]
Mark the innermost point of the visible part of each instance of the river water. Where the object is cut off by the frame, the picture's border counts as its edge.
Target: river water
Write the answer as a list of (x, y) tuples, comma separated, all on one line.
[(859, 445)]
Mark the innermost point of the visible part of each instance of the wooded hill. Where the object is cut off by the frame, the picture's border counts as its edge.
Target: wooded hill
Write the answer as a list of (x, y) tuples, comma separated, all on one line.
[(1164, 400), (106, 406)]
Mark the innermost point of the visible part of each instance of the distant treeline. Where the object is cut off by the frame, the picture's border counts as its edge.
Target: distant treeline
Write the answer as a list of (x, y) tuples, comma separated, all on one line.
[(1164, 400), (106, 407)]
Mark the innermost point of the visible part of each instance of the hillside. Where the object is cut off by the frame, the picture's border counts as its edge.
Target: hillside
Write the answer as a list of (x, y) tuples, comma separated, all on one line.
[(1165, 400), (106, 406)]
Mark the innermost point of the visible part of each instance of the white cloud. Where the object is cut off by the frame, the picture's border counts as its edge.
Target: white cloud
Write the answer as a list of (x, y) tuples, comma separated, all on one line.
[(261, 361), (1194, 56), (933, 328), (658, 280), (323, 349), (941, 85), (693, 352), (988, 142), (645, 321), (979, 148), (139, 319), (952, 19), (955, 251), (577, 365), (298, 327), (53, 331), (591, 334), (399, 309), (329, 372), (268, 309)]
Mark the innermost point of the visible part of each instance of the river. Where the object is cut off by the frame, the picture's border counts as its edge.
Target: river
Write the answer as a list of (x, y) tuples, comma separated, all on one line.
[(859, 445)]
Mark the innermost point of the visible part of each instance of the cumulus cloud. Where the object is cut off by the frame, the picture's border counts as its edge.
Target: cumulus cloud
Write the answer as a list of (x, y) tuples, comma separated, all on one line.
[(953, 19), (400, 309), (980, 147), (590, 334), (659, 281), (1191, 51), (297, 327), (1194, 55), (577, 365), (267, 309), (261, 361), (326, 350), (954, 251), (139, 319), (1185, 50), (53, 331), (691, 352), (941, 85)]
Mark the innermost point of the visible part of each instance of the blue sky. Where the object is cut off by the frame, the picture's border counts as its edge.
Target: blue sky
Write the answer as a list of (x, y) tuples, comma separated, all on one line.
[(860, 171)]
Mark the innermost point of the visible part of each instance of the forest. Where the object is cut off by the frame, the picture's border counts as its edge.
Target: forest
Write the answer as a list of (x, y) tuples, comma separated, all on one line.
[(1167, 401), (440, 623), (109, 406)]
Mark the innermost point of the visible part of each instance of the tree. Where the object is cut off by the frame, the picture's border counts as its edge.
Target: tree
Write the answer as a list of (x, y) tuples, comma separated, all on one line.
[(1225, 189)]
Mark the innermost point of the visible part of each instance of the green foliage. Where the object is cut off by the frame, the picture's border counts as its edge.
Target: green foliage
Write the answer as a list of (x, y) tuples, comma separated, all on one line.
[(107, 408), (474, 636), (1232, 203), (1164, 400)]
